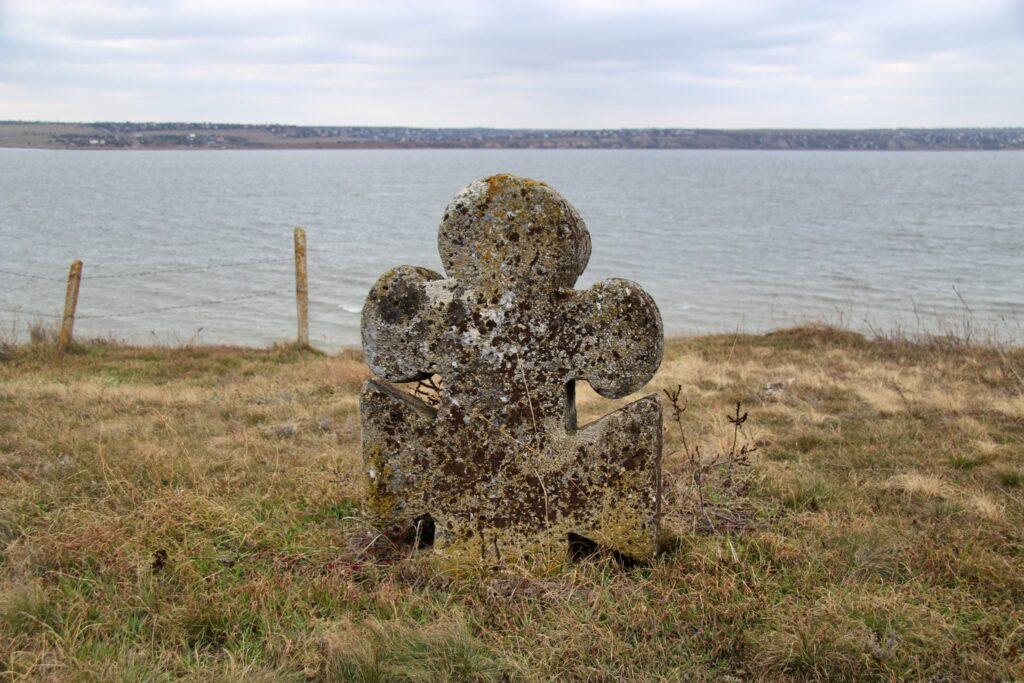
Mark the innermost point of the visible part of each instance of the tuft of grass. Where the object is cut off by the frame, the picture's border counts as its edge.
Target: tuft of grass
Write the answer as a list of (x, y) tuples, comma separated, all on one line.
[(805, 492), (1012, 477), (986, 507), (916, 484), (378, 650), (43, 332), (194, 512), (965, 462)]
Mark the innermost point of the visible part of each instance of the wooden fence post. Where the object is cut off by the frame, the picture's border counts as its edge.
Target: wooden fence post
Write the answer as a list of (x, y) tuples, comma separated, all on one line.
[(301, 287), (70, 304)]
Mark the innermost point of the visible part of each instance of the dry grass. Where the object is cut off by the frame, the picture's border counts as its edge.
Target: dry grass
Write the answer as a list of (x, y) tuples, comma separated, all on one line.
[(194, 513)]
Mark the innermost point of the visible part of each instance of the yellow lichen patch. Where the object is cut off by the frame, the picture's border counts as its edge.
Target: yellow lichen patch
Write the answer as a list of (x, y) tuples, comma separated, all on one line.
[(622, 524), (504, 182)]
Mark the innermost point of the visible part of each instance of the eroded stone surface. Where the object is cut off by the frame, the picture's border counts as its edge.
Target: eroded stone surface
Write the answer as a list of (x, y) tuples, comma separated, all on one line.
[(499, 463)]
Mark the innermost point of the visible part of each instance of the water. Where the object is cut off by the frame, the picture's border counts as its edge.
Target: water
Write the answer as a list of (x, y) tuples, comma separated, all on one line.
[(723, 240)]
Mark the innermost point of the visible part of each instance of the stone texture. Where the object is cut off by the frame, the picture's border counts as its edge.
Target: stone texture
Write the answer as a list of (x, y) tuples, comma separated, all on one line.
[(499, 463)]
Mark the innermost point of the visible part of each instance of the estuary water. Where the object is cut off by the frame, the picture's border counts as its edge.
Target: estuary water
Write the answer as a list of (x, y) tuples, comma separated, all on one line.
[(197, 246)]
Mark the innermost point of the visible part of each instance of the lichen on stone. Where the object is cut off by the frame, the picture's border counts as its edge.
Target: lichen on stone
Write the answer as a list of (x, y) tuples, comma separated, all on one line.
[(500, 463)]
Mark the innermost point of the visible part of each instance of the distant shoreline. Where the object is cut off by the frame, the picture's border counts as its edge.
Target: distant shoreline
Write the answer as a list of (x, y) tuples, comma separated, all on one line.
[(206, 150), (208, 136)]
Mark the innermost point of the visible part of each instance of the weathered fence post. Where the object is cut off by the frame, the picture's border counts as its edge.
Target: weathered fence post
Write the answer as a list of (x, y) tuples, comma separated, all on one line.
[(301, 287), (70, 304)]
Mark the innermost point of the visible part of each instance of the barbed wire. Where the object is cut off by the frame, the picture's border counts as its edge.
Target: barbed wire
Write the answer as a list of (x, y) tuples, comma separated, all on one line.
[(30, 276), (86, 275), (142, 311), (182, 269), (198, 304), (35, 313)]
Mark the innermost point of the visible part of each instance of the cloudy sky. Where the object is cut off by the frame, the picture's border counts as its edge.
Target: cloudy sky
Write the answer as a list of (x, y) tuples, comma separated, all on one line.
[(501, 63)]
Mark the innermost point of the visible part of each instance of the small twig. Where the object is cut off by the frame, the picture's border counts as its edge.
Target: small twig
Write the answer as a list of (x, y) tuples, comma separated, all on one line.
[(677, 415), (370, 544), (529, 400), (544, 490), (416, 540), (373, 528), (737, 421), (732, 348)]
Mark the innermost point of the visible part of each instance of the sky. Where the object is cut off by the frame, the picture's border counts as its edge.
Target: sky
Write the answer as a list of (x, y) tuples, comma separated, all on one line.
[(507, 64)]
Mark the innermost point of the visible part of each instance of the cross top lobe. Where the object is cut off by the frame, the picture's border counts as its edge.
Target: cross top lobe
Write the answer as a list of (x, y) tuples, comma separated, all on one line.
[(510, 337), (513, 232)]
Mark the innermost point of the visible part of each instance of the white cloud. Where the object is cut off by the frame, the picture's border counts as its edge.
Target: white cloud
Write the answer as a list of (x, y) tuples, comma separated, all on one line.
[(728, 63)]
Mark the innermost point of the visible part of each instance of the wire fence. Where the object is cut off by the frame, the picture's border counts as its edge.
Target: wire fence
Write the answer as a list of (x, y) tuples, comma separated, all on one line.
[(142, 311), (184, 269), (29, 276), (76, 278)]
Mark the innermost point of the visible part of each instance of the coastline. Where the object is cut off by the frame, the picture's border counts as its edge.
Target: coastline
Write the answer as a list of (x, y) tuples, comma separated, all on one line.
[(164, 136)]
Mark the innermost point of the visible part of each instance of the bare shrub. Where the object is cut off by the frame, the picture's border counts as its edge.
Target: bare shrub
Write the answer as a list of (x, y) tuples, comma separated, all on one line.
[(43, 332), (6, 344)]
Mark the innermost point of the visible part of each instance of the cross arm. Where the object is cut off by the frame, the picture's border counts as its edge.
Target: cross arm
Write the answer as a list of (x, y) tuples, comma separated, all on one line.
[(623, 343), (400, 330)]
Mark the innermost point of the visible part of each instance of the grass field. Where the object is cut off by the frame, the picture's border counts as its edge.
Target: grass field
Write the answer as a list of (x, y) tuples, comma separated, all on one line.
[(195, 512)]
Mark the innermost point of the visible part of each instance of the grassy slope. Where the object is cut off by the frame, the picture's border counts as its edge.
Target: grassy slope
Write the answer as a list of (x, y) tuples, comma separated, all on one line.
[(195, 512)]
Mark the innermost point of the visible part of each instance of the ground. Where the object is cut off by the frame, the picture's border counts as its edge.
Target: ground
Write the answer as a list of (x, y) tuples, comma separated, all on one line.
[(195, 512)]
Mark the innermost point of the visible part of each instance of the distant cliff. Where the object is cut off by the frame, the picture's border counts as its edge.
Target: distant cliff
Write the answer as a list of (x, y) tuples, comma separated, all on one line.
[(272, 136)]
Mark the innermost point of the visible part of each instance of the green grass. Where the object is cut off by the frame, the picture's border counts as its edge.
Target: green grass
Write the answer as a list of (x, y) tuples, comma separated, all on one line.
[(195, 512), (1011, 477)]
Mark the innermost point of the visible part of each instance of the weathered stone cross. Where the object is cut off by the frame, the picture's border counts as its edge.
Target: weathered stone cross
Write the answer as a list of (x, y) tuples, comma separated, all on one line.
[(499, 464)]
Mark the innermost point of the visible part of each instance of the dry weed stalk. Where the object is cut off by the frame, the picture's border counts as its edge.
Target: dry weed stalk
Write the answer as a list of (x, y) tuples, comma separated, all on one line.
[(702, 468)]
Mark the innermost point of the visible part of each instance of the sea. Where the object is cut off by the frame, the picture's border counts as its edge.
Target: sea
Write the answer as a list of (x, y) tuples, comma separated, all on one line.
[(197, 246)]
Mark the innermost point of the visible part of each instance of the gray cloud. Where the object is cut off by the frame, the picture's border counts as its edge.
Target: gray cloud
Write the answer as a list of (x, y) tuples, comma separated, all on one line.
[(603, 63)]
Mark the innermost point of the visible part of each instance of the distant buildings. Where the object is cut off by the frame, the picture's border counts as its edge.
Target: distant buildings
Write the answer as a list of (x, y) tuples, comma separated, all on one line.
[(270, 136)]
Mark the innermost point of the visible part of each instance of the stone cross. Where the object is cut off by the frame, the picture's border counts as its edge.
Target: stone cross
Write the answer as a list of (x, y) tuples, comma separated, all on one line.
[(499, 463)]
